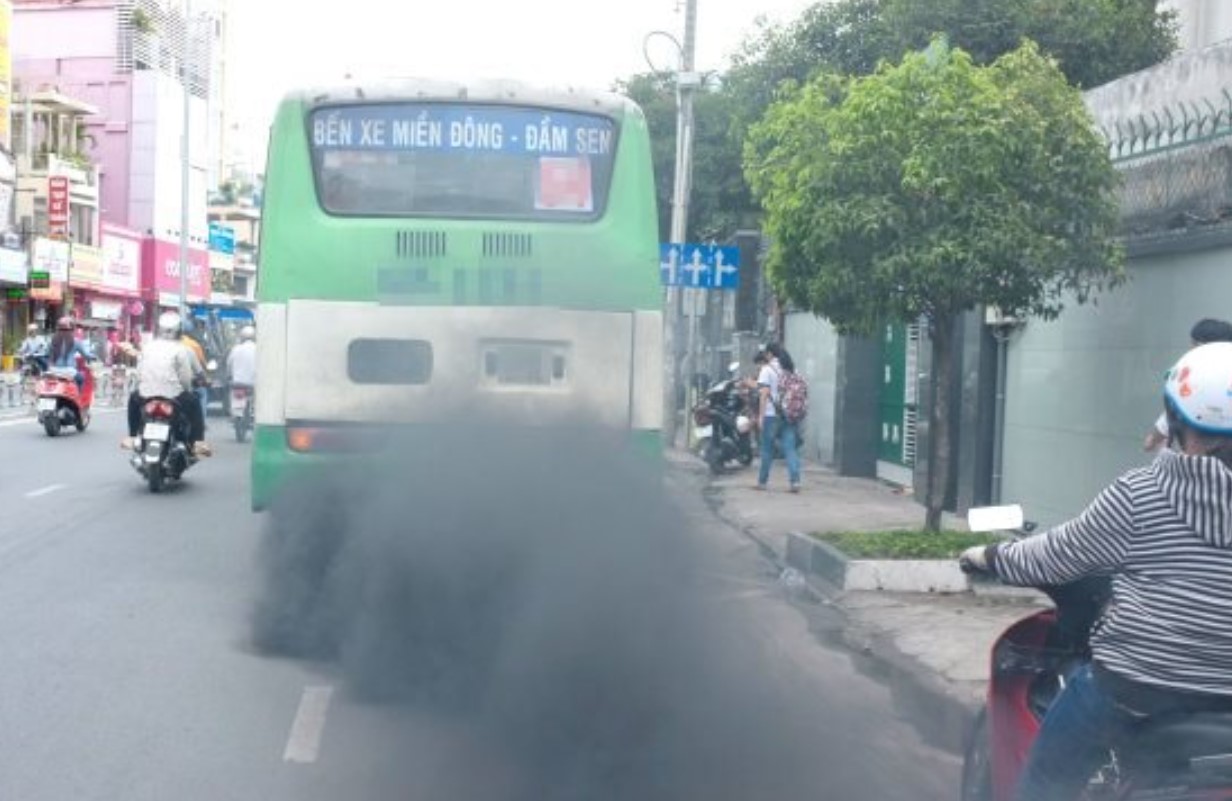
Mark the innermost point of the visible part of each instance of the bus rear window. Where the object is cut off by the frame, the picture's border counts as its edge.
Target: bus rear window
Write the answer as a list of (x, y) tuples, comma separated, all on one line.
[(459, 160)]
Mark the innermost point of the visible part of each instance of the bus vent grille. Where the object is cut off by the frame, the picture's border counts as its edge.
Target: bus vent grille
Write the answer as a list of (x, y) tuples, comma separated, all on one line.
[(420, 244), (507, 246)]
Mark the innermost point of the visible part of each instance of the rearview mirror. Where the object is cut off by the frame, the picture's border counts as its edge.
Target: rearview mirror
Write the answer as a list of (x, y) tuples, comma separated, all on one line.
[(995, 518)]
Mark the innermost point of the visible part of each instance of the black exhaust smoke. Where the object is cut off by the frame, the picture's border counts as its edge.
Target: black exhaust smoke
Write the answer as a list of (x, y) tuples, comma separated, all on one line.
[(541, 590)]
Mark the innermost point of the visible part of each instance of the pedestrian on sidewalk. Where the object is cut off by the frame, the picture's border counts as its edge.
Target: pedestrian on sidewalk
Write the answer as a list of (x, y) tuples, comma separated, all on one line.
[(751, 393), (1164, 533), (1203, 332), (774, 425)]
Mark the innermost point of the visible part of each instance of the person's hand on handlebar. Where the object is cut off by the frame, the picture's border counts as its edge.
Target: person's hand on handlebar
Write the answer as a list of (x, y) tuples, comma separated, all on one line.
[(975, 560)]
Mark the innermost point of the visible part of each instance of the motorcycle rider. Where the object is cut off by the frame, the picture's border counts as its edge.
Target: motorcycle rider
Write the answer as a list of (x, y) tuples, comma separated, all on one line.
[(1164, 531), (242, 360), (65, 348), (201, 378), (33, 349), (166, 371)]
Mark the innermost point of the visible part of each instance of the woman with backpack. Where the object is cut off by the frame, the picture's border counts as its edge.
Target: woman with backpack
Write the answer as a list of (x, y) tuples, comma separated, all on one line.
[(779, 420)]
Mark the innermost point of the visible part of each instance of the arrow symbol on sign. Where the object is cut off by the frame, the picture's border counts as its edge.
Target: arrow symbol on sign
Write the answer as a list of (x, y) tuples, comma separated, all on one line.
[(721, 269), (696, 268)]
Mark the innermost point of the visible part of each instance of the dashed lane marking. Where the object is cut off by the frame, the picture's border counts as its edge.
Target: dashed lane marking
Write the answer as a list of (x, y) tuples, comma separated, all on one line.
[(50, 488), (304, 742)]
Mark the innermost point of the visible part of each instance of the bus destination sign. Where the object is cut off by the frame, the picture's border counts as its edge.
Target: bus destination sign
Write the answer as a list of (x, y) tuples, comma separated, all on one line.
[(465, 128)]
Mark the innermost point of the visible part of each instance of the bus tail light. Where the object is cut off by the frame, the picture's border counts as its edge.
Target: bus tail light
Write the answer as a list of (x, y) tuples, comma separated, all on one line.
[(331, 439), (302, 440)]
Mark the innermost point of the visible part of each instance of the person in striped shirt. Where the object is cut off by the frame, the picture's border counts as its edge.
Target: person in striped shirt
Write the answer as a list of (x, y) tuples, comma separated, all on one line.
[(1164, 533)]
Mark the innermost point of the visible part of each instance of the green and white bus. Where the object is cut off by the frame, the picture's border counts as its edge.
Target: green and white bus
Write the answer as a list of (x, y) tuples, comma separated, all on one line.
[(432, 246)]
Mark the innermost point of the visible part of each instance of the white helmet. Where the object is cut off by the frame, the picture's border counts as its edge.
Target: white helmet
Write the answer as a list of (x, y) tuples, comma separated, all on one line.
[(248, 333), (1198, 390), (32, 328), (170, 325)]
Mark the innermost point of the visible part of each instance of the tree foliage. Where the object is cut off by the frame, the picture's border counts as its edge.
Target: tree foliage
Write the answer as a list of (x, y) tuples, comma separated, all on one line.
[(1094, 41), (932, 187), (720, 202)]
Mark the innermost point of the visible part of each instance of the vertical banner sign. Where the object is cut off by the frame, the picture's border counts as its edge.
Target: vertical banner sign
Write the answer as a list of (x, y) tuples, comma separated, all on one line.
[(6, 70), (57, 206)]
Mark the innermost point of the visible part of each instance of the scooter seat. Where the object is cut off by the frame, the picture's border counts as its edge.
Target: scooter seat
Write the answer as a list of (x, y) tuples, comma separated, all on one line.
[(67, 373), (1179, 740)]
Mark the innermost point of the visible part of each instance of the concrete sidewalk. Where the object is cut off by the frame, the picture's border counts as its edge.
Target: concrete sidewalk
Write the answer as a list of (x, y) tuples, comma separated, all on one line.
[(932, 649)]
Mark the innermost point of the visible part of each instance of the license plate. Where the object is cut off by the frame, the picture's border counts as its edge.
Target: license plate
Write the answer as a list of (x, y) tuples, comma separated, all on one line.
[(47, 404), (702, 432), (159, 431)]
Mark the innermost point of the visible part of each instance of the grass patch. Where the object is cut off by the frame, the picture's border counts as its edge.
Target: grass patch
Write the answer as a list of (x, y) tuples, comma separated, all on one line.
[(905, 544)]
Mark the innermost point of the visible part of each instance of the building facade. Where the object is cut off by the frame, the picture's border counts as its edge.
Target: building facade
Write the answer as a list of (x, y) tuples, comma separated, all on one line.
[(140, 71)]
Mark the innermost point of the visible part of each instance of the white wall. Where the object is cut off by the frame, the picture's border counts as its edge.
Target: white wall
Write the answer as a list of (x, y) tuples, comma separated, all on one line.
[(813, 344), (1191, 78), (154, 195)]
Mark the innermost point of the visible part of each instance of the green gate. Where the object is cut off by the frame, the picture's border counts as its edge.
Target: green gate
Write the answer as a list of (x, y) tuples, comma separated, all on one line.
[(900, 346)]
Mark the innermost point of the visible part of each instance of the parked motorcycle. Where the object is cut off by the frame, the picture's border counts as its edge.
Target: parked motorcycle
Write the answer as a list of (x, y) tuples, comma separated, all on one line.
[(241, 411), (722, 426), (1174, 757), (59, 403), (161, 453)]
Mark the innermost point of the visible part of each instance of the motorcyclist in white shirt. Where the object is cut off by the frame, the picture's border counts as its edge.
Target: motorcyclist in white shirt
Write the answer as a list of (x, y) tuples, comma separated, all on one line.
[(242, 360), (166, 371), (33, 349)]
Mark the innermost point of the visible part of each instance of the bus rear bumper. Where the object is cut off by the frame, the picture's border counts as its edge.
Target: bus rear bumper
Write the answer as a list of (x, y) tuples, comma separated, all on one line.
[(276, 465)]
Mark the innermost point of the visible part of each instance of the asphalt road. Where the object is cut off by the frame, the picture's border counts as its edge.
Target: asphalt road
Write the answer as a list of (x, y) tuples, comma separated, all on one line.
[(127, 671)]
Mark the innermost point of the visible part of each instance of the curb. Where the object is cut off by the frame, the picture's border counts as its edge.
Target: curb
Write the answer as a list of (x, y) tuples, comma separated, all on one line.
[(941, 576)]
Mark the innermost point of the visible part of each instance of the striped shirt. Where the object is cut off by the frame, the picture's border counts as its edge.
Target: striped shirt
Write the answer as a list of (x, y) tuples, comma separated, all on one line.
[(1165, 533)]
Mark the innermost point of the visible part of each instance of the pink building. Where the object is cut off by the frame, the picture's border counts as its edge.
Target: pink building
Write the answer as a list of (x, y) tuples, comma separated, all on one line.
[(123, 57)]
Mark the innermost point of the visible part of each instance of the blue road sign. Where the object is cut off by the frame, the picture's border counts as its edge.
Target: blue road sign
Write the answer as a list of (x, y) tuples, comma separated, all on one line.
[(699, 266)]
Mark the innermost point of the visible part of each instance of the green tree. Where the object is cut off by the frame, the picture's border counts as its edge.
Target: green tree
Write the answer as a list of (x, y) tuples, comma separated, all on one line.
[(720, 202), (1094, 41), (929, 189)]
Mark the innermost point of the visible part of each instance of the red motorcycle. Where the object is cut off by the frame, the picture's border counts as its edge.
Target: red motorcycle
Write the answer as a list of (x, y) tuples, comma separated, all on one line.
[(1183, 757), (59, 403)]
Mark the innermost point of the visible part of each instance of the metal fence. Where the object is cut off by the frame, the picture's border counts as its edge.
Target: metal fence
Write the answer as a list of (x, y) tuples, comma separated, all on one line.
[(1175, 166)]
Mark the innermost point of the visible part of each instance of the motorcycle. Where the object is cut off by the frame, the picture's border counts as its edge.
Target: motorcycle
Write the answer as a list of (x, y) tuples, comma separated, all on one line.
[(161, 452), (241, 411), (59, 403), (32, 366), (1175, 757), (722, 427)]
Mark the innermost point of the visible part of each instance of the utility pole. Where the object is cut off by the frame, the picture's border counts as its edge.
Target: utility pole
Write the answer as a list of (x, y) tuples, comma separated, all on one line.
[(185, 162), (687, 81)]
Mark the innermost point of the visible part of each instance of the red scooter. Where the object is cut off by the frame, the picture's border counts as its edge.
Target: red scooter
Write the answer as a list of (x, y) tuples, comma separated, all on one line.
[(60, 404), (1177, 758)]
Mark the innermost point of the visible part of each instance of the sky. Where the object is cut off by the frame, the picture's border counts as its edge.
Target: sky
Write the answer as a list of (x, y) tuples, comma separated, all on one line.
[(277, 45)]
